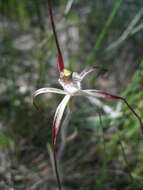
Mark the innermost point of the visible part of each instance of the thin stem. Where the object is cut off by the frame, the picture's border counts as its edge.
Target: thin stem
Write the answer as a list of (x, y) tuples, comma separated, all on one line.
[(56, 168), (103, 137), (133, 111), (127, 165), (105, 161), (60, 57)]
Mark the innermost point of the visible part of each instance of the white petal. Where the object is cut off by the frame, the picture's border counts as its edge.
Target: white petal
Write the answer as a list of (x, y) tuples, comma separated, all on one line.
[(95, 93), (58, 116), (48, 90), (87, 70), (44, 91)]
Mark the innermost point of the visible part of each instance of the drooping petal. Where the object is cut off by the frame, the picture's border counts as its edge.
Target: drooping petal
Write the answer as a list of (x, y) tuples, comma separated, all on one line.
[(44, 91), (58, 116), (87, 70), (48, 90), (106, 95)]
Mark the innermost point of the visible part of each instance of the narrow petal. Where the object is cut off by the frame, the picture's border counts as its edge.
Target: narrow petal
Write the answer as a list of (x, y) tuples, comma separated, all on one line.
[(106, 95), (60, 57), (87, 70), (58, 116), (60, 61), (45, 91), (48, 90)]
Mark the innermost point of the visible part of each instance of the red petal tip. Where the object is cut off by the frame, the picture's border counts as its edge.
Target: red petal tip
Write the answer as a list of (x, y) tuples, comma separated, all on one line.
[(55, 133)]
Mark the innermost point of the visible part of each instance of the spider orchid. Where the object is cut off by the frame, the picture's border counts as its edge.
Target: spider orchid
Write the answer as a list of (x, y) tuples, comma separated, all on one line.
[(71, 84)]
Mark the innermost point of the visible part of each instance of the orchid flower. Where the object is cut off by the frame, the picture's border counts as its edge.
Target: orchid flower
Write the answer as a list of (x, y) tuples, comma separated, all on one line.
[(71, 84)]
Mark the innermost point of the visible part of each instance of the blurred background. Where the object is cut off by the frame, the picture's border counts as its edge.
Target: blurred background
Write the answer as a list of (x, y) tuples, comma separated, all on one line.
[(101, 145)]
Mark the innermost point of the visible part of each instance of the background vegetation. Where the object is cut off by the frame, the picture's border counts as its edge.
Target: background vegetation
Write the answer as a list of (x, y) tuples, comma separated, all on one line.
[(100, 152)]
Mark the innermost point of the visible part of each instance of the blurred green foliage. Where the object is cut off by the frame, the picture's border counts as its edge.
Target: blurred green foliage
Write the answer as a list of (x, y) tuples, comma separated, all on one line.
[(96, 32)]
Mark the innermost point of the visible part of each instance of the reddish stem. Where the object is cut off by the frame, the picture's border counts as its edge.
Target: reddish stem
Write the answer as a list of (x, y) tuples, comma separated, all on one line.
[(56, 167), (60, 57)]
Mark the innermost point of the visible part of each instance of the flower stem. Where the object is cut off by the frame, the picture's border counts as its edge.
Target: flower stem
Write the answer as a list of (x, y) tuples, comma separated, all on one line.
[(56, 168)]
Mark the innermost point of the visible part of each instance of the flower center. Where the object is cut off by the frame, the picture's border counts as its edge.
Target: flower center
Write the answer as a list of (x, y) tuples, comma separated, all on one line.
[(67, 73), (70, 82)]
